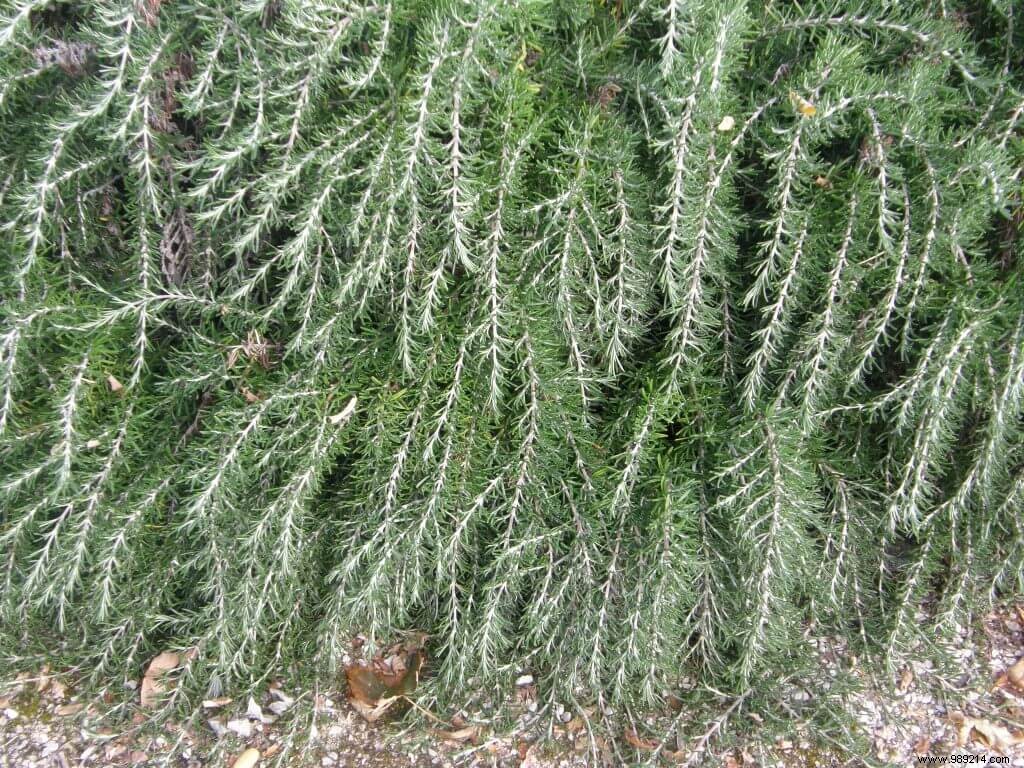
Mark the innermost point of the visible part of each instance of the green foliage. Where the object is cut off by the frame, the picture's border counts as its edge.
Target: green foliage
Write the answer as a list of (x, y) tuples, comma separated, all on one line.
[(613, 341)]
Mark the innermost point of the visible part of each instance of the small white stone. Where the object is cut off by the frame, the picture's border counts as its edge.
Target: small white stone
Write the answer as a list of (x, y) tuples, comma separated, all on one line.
[(217, 726), (278, 707), (242, 727), (524, 680)]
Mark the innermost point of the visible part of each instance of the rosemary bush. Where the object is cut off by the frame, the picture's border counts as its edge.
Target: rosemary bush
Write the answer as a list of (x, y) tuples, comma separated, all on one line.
[(613, 341)]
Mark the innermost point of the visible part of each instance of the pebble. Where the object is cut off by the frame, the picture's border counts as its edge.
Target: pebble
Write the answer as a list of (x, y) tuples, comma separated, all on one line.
[(242, 727)]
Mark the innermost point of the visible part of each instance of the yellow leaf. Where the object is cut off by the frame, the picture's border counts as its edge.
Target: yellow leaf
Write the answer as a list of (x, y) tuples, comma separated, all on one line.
[(247, 759), (803, 106)]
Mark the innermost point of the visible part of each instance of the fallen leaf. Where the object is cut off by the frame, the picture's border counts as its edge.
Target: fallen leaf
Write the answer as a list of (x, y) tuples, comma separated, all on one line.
[(922, 746), (906, 679), (272, 750), (152, 682), (1014, 676), (114, 752), (57, 689), (469, 733), (114, 384), (44, 679), (822, 182), (390, 676), (138, 757), (66, 710), (223, 701), (247, 759), (987, 733), (250, 396), (371, 713), (637, 742), (530, 759), (364, 685), (727, 124), (606, 94)]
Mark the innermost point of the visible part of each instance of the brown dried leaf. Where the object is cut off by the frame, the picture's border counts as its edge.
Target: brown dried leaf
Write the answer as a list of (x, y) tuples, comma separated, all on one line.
[(1014, 676), (223, 701), (988, 734), (390, 676), (922, 746), (66, 710), (530, 758), (606, 94), (250, 396), (637, 742), (152, 682), (906, 679), (374, 712), (364, 685), (470, 733)]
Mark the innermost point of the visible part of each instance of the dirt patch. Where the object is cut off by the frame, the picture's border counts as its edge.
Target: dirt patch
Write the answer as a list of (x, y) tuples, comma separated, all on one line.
[(970, 706)]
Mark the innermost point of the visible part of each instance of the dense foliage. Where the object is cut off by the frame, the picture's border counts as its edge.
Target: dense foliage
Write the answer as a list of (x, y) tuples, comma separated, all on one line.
[(611, 341)]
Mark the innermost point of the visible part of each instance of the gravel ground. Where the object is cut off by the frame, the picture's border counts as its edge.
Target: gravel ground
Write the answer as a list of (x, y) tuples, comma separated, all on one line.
[(971, 708)]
